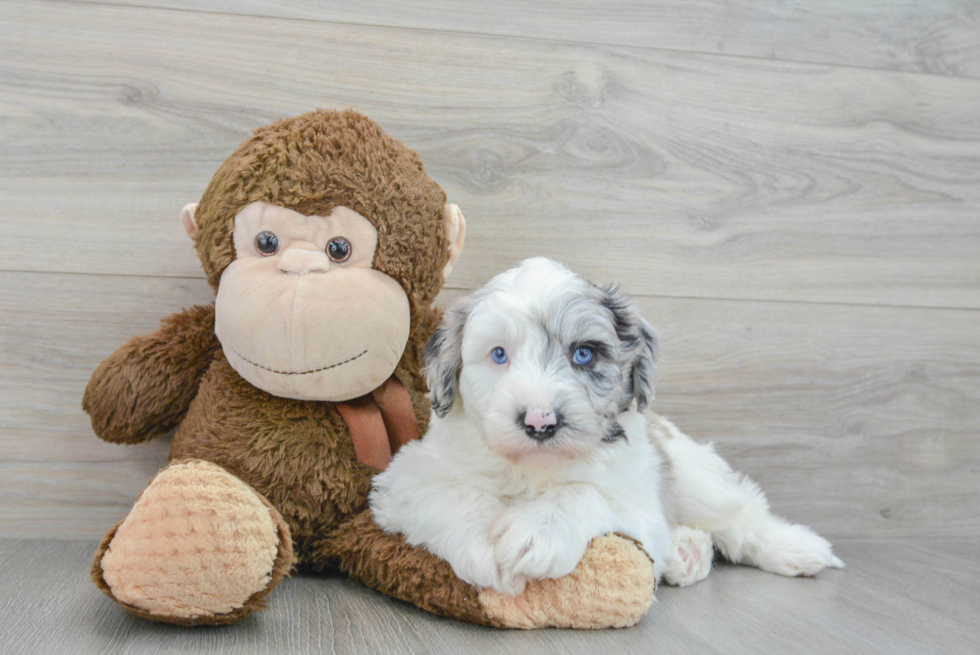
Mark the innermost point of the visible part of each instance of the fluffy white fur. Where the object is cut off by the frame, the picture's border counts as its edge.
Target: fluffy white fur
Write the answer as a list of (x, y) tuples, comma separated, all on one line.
[(499, 523), (503, 503)]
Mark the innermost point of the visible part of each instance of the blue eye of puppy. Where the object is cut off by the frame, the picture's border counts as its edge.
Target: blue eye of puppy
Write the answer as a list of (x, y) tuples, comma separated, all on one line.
[(498, 355), (582, 356)]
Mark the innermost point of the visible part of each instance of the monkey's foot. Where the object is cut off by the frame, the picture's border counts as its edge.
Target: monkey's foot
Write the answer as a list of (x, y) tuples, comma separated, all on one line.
[(199, 547), (612, 587)]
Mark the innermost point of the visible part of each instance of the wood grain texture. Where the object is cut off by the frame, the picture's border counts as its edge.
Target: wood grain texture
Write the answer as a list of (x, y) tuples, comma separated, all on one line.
[(678, 174), (898, 597), (940, 36), (805, 237), (860, 421)]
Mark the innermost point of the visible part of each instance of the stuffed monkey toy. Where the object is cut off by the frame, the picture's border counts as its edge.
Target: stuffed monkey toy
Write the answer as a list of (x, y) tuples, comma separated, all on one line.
[(326, 243)]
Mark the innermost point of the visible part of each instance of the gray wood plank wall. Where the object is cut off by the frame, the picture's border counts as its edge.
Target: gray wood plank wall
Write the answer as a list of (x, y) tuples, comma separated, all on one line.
[(791, 190), (936, 36)]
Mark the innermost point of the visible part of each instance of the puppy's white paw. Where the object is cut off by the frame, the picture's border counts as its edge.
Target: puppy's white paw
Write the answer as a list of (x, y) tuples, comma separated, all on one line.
[(530, 546), (689, 557), (796, 550), (477, 566)]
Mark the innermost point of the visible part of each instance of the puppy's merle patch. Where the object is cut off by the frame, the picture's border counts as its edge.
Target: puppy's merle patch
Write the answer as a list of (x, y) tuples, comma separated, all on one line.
[(620, 307), (616, 433), (443, 359)]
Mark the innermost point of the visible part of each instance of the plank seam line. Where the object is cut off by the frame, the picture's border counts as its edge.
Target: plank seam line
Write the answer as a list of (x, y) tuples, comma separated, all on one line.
[(596, 44), (450, 287)]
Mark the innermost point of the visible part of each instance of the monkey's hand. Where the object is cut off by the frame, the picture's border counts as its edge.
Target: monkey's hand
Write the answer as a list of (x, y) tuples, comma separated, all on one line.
[(143, 389), (612, 587)]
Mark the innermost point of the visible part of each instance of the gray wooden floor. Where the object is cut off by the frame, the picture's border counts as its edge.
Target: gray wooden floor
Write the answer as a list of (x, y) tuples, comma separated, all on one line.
[(895, 597), (790, 188)]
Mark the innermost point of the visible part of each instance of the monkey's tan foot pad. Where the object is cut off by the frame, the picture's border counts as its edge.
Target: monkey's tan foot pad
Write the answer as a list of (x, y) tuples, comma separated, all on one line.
[(199, 547), (612, 587)]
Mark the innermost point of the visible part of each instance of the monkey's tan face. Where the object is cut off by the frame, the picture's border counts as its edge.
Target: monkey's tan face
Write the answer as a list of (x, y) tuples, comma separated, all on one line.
[(301, 314)]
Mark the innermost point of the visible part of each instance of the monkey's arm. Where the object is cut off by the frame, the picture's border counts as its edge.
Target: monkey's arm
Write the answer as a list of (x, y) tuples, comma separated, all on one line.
[(611, 587), (143, 389), (386, 562)]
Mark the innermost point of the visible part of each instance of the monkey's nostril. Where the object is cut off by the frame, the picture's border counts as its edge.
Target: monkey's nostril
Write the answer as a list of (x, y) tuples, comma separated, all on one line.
[(301, 262)]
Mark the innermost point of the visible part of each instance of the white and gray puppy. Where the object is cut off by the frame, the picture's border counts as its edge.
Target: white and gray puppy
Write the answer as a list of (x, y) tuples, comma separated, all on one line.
[(540, 441)]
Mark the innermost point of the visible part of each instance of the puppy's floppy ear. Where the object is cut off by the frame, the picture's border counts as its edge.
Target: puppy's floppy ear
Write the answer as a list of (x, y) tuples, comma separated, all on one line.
[(639, 340), (444, 359), (645, 364)]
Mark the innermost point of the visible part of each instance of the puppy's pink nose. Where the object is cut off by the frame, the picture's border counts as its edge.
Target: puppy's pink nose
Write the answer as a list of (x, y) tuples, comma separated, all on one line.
[(540, 419)]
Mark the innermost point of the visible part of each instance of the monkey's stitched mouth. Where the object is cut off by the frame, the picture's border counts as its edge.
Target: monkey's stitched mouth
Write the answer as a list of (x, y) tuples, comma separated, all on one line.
[(316, 370)]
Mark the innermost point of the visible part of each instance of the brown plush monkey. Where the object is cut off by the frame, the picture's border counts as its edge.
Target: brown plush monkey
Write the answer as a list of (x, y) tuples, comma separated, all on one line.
[(326, 242)]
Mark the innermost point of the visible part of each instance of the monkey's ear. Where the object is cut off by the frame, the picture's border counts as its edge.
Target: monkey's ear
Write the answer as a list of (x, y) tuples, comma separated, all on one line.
[(455, 225), (187, 219), (444, 359)]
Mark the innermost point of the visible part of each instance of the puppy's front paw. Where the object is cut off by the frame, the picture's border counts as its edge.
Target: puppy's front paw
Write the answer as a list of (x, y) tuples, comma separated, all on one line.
[(797, 550), (528, 545), (612, 587), (689, 557), (477, 566)]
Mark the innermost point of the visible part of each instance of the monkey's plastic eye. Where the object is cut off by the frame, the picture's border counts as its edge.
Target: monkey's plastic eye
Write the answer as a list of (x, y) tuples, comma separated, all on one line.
[(582, 356), (267, 243), (339, 249), (498, 355)]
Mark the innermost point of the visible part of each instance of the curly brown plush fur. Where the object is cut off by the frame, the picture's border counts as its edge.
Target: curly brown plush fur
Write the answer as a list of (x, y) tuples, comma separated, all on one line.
[(296, 455), (317, 161)]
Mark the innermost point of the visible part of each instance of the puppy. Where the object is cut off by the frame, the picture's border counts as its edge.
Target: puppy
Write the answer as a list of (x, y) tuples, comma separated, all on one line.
[(540, 441)]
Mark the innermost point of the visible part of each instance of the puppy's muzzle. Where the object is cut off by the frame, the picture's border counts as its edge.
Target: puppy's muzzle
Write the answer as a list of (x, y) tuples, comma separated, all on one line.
[(540, 424)]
